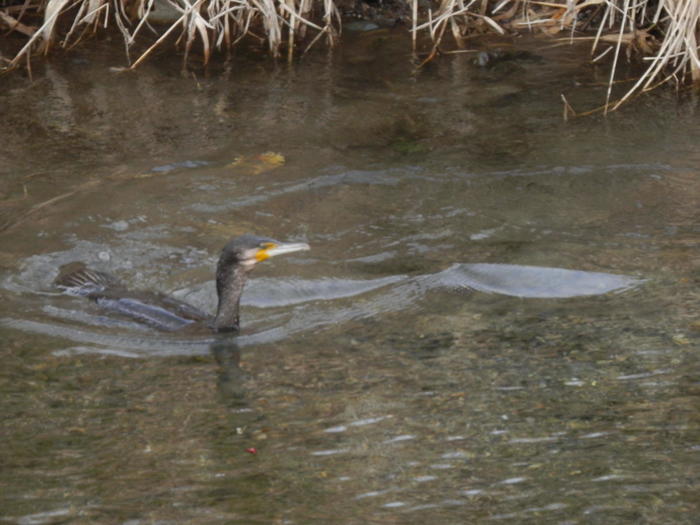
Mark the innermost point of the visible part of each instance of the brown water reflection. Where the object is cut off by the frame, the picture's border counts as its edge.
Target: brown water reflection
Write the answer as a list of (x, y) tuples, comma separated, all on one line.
[(363, 389)]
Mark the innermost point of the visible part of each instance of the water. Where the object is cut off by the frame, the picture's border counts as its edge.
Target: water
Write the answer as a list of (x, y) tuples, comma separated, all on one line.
[(497, 321)]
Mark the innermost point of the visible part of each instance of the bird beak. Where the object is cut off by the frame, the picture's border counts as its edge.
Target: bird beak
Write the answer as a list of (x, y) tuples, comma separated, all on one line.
[(280, 248)]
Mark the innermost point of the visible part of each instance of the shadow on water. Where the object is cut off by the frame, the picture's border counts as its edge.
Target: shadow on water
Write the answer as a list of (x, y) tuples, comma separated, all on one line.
[(497, 321)]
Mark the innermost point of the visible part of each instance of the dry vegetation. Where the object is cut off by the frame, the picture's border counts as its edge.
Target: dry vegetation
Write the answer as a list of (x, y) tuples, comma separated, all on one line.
[(663, 33), (215, 24)]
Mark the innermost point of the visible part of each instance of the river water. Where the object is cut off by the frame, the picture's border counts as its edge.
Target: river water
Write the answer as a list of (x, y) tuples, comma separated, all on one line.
[(497, 320)]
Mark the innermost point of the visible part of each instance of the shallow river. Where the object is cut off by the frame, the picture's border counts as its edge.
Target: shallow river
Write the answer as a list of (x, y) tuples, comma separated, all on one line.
[(497, 320)]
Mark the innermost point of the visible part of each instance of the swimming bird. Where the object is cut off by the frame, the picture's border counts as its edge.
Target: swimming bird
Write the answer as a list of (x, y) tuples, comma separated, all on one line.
[(163, 312)]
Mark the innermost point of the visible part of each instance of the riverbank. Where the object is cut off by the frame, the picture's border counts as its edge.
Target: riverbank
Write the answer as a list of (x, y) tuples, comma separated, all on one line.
[(661, 35)]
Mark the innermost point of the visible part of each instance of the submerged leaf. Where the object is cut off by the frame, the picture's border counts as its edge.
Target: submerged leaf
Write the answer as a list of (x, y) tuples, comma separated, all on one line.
[(259, 163)]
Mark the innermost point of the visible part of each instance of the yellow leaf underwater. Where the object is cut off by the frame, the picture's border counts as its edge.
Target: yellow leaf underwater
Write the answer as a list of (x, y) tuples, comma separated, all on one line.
[(258, 164)]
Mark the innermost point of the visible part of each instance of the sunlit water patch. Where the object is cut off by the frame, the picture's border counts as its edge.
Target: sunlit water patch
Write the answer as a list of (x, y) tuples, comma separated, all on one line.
[(536, 282)]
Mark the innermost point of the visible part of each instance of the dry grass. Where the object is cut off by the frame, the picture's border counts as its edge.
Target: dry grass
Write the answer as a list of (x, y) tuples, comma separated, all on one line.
[(676, 57), (213, 24), (664, 32)]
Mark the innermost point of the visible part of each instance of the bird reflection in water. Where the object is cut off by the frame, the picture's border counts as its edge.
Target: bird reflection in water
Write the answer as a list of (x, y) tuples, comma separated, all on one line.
[(231, 377)]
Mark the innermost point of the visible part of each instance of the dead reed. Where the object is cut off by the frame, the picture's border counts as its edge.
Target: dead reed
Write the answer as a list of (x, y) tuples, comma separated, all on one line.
[(662, 33), (214, 24)]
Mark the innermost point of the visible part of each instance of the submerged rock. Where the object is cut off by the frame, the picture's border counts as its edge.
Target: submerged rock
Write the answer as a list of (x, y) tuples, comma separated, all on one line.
[(361, 26)]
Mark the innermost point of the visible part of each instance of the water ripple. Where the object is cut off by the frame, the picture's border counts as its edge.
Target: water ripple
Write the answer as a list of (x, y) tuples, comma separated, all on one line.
[(313, 311)]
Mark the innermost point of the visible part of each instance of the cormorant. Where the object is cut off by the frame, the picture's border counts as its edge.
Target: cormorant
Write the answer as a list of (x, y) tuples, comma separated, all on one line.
[(237, 258)]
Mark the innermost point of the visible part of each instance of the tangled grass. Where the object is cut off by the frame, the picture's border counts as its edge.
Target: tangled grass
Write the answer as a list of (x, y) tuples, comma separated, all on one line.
[(663, 32), (216, 24)]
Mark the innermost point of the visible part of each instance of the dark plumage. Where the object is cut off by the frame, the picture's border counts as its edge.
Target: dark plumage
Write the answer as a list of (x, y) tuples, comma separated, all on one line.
[(237, 258)]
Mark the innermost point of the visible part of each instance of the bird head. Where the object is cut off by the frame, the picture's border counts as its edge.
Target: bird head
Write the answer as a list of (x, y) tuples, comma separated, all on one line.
[(248, 250)]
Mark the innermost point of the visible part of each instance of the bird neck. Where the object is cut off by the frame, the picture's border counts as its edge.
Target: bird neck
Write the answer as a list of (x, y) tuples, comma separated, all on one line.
[(230, 280)]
